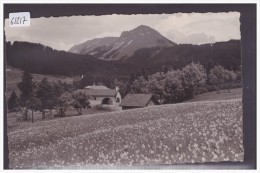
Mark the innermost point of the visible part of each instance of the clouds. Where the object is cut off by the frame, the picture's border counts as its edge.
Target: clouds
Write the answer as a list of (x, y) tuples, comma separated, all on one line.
[(199, 28), (63, 32), (194, 38)]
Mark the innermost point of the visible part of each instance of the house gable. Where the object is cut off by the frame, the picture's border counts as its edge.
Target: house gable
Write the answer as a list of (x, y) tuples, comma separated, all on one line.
[(137, 101)]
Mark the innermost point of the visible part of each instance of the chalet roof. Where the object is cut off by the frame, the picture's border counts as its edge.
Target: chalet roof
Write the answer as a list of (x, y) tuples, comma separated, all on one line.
[(136, 100), (99, 92), (96, 87)]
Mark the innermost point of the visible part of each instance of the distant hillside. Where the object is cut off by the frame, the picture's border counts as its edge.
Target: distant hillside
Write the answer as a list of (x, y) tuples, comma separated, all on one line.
[(45, 60), (118, 48), (158, 135), (41, 59), (227, 54)]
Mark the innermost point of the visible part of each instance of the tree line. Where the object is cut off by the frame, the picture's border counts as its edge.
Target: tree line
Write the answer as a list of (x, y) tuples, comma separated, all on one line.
[(44, 96), (167, 86), (173, 86)]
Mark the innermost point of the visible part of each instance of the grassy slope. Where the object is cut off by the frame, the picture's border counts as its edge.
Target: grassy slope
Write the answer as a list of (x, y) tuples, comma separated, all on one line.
[(167, 134), (222, 95)]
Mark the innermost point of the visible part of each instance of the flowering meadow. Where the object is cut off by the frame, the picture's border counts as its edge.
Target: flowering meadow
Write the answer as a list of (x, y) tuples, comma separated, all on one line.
[(167, 134)]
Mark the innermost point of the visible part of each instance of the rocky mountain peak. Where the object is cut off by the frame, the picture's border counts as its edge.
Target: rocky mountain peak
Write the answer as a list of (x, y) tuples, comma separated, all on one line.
[(124, 46), (140, 30)]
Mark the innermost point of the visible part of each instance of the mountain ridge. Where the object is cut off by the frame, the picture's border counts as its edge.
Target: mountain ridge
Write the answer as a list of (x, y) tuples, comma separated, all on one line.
[(227, 54), (123, 47)]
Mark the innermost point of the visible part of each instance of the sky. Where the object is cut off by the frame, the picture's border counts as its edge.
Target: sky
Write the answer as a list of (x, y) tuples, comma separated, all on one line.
[(62, 33)]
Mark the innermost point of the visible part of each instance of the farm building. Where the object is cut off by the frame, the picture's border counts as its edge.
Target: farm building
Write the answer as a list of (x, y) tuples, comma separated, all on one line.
[(96, 87), (102, 95), (132, 101)]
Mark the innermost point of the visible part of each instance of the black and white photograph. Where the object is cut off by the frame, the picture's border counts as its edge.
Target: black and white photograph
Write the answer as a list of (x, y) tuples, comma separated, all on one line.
[(131, 90)]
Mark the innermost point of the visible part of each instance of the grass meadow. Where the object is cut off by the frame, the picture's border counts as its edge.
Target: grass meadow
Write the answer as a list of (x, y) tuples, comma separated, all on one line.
[(204, 131)]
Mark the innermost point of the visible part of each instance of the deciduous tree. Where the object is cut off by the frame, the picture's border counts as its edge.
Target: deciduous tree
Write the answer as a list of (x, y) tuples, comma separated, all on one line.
[(80, 101), (156, 86), (194, 75), (174, 91), (230, 78), (64, 101), (34, 104), (140, 85), (217, 76)]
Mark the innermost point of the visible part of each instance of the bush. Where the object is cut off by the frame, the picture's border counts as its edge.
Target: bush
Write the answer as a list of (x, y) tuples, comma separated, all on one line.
[(211, 88), (201, 90), (101, 108)]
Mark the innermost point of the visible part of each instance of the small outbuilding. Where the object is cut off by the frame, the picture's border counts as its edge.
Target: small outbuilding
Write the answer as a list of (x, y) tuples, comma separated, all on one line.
[(132, 101)]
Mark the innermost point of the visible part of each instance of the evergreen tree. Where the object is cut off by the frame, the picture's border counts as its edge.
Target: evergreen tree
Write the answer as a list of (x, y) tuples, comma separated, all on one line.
[(26, 87), (210, 65), (45, 92), (13, 101)]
